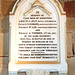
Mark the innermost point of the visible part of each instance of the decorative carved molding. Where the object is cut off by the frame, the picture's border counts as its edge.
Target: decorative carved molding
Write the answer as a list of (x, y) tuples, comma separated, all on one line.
[(57, 3), (37, 4)]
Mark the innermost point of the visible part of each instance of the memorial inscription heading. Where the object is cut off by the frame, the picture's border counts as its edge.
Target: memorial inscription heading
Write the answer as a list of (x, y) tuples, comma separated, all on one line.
[(38, 36)]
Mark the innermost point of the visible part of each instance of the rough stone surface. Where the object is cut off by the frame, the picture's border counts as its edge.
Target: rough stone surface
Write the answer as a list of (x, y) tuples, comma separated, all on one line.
[(69, 7), (69, 44), (6, 6), (71, 64), (4, 51), (3, 65)]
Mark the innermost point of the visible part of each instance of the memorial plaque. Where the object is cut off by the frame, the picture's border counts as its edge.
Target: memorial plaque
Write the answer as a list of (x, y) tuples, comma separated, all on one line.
[(38, 35)]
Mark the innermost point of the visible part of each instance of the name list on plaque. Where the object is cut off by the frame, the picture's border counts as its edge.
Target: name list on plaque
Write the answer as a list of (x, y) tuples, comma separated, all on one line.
[(37, 37)]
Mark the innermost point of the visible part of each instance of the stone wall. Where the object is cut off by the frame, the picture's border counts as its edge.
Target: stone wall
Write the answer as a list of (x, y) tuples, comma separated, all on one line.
[(6, 6)]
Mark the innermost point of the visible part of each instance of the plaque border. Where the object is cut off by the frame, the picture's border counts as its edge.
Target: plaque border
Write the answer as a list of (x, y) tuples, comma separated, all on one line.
[(38, 62)]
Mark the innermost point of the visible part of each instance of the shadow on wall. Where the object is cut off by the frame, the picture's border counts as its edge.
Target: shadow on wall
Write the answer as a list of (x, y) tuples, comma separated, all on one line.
[(4, 54), (71, 64), (4, 58)]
